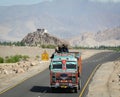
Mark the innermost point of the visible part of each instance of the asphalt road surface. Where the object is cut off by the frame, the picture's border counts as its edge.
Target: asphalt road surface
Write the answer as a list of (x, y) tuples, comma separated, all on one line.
[(38, 86)]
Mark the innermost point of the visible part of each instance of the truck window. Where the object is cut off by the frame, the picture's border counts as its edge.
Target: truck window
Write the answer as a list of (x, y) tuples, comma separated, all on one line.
[(57, 66), (71, 66)]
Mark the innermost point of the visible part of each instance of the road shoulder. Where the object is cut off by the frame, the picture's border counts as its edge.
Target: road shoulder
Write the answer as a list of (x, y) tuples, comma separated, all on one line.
[(105, 82)]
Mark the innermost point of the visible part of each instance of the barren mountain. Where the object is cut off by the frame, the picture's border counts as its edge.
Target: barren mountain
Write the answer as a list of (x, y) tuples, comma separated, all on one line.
[(62, 18), (40, 37), (109, 37)]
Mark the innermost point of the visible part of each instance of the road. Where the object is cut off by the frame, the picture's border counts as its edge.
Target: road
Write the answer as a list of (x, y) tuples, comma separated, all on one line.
[(38, 86)]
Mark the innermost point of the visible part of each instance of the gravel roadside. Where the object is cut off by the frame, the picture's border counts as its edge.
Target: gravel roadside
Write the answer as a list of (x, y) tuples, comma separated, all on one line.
[(106, 82)]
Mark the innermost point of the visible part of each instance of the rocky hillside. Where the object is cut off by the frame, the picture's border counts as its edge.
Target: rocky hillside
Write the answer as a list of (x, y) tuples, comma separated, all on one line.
[(40, 37), (109, 37)]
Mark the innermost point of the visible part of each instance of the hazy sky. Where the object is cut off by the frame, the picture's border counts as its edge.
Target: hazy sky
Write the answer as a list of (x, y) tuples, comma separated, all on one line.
[(105, 1), (21, 2)]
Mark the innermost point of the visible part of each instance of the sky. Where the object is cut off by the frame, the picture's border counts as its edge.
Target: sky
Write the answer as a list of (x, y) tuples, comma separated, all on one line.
[(28, 2), (106, 1), (19, 2)]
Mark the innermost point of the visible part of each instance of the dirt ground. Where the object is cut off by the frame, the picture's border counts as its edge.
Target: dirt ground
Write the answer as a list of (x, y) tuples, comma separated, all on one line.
[(13, 73), (32, 52), (106, 82)]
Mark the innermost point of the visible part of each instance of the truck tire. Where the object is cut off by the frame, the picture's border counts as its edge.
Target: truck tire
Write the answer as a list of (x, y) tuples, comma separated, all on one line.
[(79, 84), (52, 89), (76, 90)]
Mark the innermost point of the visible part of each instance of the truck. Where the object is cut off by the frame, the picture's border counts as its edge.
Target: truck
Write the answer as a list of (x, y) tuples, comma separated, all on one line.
[(65, 71)]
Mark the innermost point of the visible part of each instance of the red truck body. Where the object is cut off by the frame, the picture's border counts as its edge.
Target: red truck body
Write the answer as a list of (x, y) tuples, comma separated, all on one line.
[(65, 71)]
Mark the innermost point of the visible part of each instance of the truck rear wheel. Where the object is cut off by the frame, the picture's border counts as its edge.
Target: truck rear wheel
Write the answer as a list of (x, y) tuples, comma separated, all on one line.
[(53, 89), (76, 90), (79, 83)]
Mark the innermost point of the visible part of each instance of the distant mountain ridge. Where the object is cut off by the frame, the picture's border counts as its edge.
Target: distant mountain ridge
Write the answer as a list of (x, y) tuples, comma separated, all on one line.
[(62, 18), (40, 37), (108, 37)]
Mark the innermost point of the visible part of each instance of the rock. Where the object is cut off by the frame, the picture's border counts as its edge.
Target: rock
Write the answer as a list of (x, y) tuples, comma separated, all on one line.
[(24, 65), (20, 70), (5, 71), (109, 37), (0, 70), (33, 64), (40, 37), (19, 63), (113, 80)]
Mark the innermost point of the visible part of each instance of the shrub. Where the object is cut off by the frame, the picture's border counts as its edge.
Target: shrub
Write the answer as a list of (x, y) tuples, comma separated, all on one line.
[(37, 56), (25, 57), (51, 46), (16, 58), (48, 46), (1, 60), (13, 59)]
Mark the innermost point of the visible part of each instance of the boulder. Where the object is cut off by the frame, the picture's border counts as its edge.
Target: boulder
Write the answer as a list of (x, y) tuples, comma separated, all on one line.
[(20, 70), (5, 71), (33, 63)]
